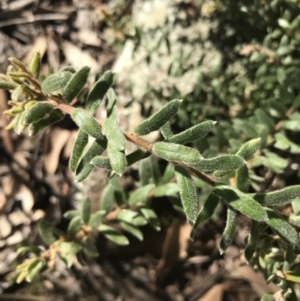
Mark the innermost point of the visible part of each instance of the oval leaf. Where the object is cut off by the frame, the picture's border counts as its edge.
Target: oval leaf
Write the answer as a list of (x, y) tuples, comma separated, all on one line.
[(151, 217), (96, 218), (166, 190), (88, 248), (74, 226), (248, 149), (282, 228), (176, 152), (46, 233), (78, 148), (242, 202), (242, 179), (76, 84), (98, 91), (132, 230), (38, 111), (56, 82), (188, 194), (87, 123), (102, 162), (252, 240), (35, 64), (117, 159), (278, 198), (140, 195), (157, 120), (194, 133), (113, 235), (86, 211)]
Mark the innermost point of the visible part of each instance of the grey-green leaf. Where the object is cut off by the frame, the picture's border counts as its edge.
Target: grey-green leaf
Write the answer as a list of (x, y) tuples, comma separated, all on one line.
[(74, 226), (151, 217), (248, 149), (86, 211), (242, 202), (226, 162), (107, 197), (102, 162), (56, 82), (132, 230), (206, 211), (71, 214), (282, 228), (158, 119), (38, 111), (140, 195), (228, 234), (76, 84), (166, 190), (127, 216), (188, 194), (87, 123), (136, 156), (194, 133), (88, 248), (46, 233), (252, 240), (176, 152), (98, 91), (96, 218), (166, 130), (78, 148), (113, 235), (278, 198), (84, 168), (117, 159), (242, 179)]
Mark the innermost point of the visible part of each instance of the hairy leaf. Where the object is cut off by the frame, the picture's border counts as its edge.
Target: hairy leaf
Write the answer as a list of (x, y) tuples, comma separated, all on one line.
[(132, 230), (96, 218), (248, 149), (242, 179), (76, 84), (228, 234), (35, 268), (86, 123), (74, 226), (140, 195), (113, 235), (194, 133), (107, 198), (78, 148), (176, 152), (84, 168), (38, 111), (136, 156), (166, 190), (98, 91), (56, 82), (252, 240), (282, 228), (35, 64), (117, 159), (151, 217), (188, 194), (86, 211), (112, 99), (102, 162), (241, 202), (158, 119), (166, 130), (206, 211), (277, 198), (46, 233)]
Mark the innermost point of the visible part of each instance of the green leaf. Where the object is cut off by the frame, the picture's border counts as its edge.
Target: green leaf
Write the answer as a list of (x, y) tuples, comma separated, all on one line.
[(140, 195), (132, 230), (46, 233), (194, 133), (252, 240), (166, 130), (136, 156), (98, 91), (283, 143), (35, 64), (71, 214), (96, 218), (117, 159), (169, 173), (228, 234), (264, 119), (139, 220), (112, 99), (86, 123), (158, 119), (127, 215), (19, 123), (166, 190), (206, 211), (35, 269), (282, 228), (32, 249), (86, 211), (54, 116), (102, 162), (84, 168), (188, 194), (78, 148), (113, 235), (249, 148), (76, 84), (278, 198), (7, 85), (107, 198), (176, 152), (113, 133), (241, 202), (88, 248), (242, 179), (68, 247), (56, 82), (151, 217), (38, 111), (15, 95), (74, 226), (223, 162), (294, 220)]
